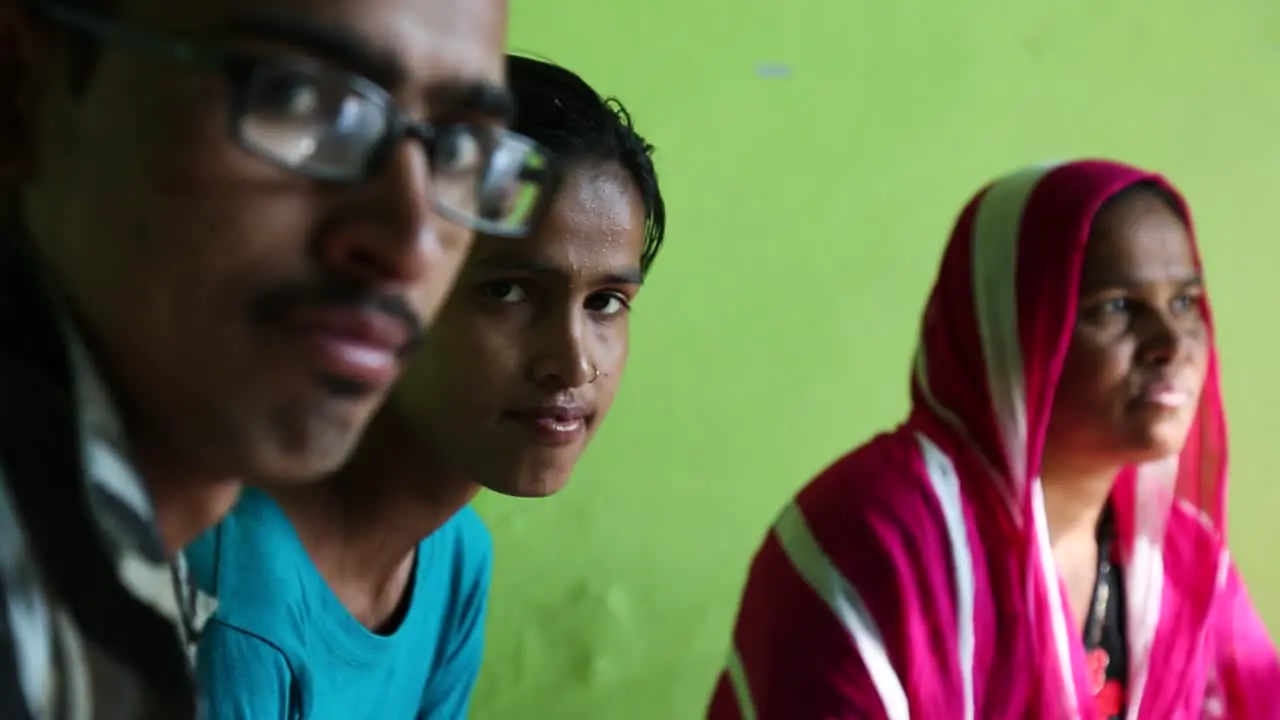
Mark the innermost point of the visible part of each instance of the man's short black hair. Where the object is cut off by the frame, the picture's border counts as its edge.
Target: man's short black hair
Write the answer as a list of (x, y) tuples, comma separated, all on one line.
[(561, 111), (84, 49)]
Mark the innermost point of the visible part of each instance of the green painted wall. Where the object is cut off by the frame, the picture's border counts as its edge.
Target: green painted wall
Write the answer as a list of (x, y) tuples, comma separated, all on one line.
[(807, 217)]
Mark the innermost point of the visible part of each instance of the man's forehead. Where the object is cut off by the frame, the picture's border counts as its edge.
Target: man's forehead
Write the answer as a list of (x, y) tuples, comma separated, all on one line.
[(435, 41)]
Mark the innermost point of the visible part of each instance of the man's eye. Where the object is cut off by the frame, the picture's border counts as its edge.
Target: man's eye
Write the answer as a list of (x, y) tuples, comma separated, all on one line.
[(287, 96), (458, 151), (504, 292)]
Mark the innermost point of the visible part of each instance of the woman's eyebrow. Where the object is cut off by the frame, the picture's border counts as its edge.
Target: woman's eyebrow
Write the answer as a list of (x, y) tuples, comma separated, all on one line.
[(1103, 282), (535, 266)]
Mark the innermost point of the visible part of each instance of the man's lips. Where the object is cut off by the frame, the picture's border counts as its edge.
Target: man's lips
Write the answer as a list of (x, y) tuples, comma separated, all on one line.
[(361, 347)]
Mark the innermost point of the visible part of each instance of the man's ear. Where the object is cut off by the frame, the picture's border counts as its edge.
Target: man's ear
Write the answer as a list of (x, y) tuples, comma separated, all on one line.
[(21, 45)]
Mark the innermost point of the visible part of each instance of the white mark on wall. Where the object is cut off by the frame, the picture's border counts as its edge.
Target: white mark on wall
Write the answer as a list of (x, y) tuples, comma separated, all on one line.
[(772, 70)]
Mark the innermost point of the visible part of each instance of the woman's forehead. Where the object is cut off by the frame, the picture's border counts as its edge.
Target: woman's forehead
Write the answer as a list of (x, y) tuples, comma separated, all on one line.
[(1138, 241), (595, 227)]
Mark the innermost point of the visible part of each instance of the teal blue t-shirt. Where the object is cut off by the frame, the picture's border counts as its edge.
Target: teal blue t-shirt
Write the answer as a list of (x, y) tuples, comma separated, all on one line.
[(281, 646)]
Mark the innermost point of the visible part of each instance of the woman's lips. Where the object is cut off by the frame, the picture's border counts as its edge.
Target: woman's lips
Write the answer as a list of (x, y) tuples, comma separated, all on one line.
[(1165, 395)]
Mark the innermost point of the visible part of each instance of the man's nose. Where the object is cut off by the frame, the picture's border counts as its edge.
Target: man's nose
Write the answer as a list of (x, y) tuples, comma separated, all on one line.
[(392, 234)]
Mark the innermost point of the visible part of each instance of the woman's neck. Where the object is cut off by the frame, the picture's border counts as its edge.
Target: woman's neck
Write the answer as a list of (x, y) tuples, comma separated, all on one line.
[(1074, 499), (361, 526), (1073, 504)]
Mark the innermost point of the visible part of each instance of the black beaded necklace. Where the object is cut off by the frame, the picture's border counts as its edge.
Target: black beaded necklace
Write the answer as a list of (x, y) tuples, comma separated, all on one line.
[(1104, 627), (1096, 620)]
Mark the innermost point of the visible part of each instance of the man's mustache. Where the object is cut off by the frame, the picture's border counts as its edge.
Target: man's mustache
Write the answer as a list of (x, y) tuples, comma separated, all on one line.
[(282, 300)]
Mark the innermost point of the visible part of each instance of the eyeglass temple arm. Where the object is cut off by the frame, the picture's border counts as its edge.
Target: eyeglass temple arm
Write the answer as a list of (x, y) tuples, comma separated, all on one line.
[(126, 35)]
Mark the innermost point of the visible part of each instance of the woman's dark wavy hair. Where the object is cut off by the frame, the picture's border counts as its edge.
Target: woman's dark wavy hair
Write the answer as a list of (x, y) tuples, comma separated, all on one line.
[(562, 112), (1149, 188)]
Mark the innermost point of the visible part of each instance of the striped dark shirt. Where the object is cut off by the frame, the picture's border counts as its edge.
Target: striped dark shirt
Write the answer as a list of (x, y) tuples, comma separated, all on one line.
[(97, 621)]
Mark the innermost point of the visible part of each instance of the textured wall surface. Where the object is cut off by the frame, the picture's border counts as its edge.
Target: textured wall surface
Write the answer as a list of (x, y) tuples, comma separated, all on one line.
[(813, 160)]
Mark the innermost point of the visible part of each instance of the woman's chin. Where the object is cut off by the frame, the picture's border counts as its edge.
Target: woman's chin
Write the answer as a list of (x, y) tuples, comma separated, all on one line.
[(1158, 441), (529, 485)]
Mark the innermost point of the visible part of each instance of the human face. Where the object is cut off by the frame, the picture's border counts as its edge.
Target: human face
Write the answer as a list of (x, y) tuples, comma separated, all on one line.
[(525, 359), (1133, 373), (252, 318)]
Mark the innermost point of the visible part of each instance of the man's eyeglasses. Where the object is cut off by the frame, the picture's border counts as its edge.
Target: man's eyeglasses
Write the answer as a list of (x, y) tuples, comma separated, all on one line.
[(336, 126)]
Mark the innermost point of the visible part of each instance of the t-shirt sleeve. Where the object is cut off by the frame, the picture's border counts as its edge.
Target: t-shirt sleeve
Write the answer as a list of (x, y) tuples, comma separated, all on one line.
[(448, 693), (242, 677)]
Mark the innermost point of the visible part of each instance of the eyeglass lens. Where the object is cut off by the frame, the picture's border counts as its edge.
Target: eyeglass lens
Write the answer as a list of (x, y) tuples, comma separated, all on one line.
[(322, 123)]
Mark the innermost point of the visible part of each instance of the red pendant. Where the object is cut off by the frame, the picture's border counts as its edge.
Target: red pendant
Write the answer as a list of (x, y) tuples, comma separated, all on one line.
[(1107, 694), (1097, 661)]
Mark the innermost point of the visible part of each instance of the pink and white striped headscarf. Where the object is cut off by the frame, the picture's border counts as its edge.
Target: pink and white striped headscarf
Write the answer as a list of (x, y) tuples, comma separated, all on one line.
[(1004, 309)]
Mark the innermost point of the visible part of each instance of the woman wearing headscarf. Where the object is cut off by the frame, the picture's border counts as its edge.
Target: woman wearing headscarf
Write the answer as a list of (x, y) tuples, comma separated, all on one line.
[(1044, 537)]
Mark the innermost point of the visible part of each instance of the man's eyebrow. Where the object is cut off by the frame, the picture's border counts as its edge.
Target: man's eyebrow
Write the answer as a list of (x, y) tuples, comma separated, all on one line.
[(336, 44), (353, 52), (627, 276)]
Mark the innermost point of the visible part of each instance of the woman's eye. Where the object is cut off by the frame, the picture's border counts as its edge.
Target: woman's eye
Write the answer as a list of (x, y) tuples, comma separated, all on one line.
[(1184, 302), (1106, 311), (1115, 305), (504, 292), (607, 304)]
